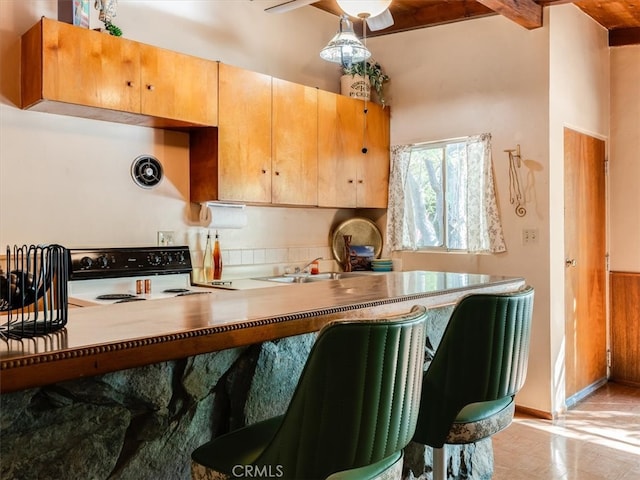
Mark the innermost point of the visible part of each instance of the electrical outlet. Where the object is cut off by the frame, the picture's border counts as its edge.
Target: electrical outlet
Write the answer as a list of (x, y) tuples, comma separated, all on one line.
[(529, 236), (165, 238)]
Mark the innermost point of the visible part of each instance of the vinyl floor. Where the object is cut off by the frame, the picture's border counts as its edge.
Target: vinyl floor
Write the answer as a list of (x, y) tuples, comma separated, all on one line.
[(597, 439)]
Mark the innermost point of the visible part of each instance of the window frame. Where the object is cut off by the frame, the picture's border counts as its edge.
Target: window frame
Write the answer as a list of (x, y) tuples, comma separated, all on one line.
[(442, 144)]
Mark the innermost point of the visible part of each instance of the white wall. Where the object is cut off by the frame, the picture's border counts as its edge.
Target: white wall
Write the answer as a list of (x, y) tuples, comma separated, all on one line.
[(624, 161), (579, 99), (484, 75), (490, 75), (67, 180)]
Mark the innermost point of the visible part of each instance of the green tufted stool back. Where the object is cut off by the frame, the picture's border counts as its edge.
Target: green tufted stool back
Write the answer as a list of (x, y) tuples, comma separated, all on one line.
[(480, 364), (356, 404)]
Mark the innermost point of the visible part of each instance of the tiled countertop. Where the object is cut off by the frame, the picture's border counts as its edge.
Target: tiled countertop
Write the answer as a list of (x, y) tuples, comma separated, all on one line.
[(108, 338)]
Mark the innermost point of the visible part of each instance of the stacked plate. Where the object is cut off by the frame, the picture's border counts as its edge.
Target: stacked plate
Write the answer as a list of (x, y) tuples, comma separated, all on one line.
[(381, 265)]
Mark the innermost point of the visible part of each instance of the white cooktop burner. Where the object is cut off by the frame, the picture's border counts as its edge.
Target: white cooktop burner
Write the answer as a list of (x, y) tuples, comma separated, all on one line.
[(109, 291), (116, 275)]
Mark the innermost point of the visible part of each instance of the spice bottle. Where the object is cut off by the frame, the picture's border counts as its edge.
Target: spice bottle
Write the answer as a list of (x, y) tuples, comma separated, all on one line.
[(315, 267), (217, 259)]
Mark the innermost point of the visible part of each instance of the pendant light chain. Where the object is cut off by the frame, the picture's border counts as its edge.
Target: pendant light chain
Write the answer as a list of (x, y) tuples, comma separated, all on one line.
[(364, 127)]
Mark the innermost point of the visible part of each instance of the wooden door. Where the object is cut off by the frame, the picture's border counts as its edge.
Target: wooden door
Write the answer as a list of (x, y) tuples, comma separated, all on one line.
[(244, 135), (585, 268), (373, 167), (77, 66), (340, 141), (178, 86), (294, 176)]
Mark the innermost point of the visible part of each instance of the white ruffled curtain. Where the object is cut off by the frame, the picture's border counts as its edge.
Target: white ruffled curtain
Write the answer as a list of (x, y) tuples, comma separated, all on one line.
[(405, 210), (400, 157)]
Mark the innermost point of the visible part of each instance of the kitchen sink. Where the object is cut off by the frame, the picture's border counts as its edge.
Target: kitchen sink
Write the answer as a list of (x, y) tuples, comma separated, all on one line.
[(308, 278)]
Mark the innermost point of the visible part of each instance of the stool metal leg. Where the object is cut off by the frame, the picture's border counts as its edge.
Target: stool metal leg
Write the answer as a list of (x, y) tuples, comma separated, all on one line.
[(440, 463)]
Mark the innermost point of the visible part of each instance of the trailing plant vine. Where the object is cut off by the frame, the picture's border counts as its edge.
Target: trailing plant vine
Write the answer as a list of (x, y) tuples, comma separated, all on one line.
[(112, 29)]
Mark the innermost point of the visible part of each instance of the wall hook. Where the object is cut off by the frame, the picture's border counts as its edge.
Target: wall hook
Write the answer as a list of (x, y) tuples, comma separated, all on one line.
[(515, 192)]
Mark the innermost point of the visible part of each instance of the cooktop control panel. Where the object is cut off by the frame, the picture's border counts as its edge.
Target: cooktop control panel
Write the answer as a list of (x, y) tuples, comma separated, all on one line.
[(94, 263)]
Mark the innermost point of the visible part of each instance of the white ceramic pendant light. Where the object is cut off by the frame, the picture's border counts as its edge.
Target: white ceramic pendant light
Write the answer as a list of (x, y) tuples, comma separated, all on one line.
[(363, 8)]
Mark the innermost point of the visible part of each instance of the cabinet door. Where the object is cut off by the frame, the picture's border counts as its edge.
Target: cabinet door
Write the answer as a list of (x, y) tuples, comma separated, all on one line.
[(340, 140), (244, 135), (178, 86), (294, 178), (373, 168), (64, 63)]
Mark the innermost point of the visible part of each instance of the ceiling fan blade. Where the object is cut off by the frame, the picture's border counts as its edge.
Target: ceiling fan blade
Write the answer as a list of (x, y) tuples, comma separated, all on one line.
[(380, 22), (288, 6)]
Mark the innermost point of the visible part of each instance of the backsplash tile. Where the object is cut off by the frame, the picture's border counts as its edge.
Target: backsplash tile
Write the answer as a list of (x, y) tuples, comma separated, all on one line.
[(247, 257), (235, 257), (266, 256), (299, 254), (276, 255), (259, 256)]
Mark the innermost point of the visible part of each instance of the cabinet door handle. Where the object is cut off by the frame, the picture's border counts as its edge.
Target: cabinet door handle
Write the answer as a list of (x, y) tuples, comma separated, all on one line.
[(570, 262), (150, 87), (264, 171), (130, 83), (350, 181), (277, 173), (360, 181)]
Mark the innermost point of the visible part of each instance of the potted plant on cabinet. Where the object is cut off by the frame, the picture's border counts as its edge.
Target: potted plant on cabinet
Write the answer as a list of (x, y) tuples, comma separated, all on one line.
[(107, 10), (358, 79)]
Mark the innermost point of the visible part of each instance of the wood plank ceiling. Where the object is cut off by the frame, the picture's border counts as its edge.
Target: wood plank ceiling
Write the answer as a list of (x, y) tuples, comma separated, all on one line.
[(620, 17)]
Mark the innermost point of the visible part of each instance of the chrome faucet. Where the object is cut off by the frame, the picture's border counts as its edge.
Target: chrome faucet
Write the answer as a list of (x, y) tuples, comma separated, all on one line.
[(298, 269)]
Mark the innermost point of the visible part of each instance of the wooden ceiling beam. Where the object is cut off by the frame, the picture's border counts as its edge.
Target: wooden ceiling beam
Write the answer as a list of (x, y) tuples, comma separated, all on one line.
[(525, 13), (624, 36), (411, 14), (421, 14)]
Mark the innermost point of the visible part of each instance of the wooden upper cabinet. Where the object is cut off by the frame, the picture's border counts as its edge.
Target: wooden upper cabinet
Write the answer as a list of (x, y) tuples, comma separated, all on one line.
[(294, 178), (348, 177), (178, 86), (340, 130), (63, 63), (374, 166), (267, 143), (75, 71), (244, 136)]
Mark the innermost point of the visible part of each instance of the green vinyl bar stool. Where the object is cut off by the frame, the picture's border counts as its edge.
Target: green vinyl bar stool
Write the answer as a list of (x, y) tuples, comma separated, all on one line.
[(353, 411), (469, 388)]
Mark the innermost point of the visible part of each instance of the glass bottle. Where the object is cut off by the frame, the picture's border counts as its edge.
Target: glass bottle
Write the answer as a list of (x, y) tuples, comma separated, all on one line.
[(207, 263), (217, 259)]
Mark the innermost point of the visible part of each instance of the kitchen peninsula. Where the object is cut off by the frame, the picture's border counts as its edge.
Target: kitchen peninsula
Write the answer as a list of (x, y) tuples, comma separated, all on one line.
[(101, 339), (136, 386)]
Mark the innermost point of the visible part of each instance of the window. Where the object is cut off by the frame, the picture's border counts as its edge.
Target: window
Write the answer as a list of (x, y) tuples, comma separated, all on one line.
[(441, 196)]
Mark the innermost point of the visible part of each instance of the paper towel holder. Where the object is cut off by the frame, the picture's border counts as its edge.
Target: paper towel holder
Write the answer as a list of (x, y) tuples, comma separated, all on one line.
[(234, 215)]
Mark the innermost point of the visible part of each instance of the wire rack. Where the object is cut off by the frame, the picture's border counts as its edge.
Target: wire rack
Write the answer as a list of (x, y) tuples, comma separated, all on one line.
[(33, 290)]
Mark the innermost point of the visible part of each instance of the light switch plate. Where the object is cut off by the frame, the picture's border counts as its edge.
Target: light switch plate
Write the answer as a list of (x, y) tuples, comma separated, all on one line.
[(165, 238), (529, 236)]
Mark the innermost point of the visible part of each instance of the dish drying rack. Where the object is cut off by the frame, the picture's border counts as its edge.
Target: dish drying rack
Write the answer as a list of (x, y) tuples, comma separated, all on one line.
[(33, 290)]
